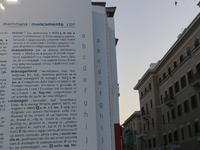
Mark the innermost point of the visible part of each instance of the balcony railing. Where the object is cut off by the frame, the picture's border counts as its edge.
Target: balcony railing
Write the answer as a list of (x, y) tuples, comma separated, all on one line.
[(145, 115), (195, 80), (169, 100), (142, 136), (146, 92)]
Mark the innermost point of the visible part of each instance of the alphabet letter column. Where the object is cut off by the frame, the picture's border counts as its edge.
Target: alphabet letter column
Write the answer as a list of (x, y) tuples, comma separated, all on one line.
[(102, 80)]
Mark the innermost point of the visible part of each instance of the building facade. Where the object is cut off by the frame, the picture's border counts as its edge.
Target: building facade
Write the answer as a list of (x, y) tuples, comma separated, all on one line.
[(170, 96), (131, 128)]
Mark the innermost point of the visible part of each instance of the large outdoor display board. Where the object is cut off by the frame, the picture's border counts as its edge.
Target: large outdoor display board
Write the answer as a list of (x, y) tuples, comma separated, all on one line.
[(104, 126), (47, 77)]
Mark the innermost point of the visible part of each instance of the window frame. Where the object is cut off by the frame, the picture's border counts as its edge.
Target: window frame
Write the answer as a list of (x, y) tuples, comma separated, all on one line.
[(176, 136), (189, 130), (149, 143), (161, 99), (186, 106), (175, 64), (170, 137), (183, 82), (165, 139), (152, 119), (164, 75), (196, 43), (154, 141), (181, 58), (173, 113), (169, 71), (168, 116), (163, 118), (188, 51), (149, 85), (151, 103), (190, 75), (148, 125), (176, 87), (193, 101), (182, 133), (179, 110), (196, 127)]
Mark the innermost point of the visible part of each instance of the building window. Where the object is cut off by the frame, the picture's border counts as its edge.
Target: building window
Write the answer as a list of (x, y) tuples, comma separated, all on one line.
[(141, 94), (148, 125), (163, 119), (181, 58), (165, 140), (168, 116), (164, 75), (166, 96), (151, 103), (161, 99), (160, 80), (183, 82), (144, 127), (190, 76), (152, 122), (175, 135), (149, 141), (189, 131), (182, 133), (170, 137), (149, 85), (194, 102), (179, 110), (175, 65), (154, 142), (145, 90), (143, 112), (171, 94), (169, 71), (196, 127), (186, 106), (188, 51), (147, 108), (173, 113), (198, 69), (176, 87), (196, 43)]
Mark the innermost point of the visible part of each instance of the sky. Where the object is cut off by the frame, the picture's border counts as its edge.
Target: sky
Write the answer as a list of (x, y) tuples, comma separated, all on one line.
[(146, 30)]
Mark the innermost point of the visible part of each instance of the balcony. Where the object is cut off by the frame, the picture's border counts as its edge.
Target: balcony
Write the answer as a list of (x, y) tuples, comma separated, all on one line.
[(145, 115), (195, 80), (169, 100), (142, 136), (161, 81), (146, 93)]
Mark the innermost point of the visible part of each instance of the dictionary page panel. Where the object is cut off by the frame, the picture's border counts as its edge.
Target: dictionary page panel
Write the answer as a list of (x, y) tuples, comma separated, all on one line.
[(47, 98)]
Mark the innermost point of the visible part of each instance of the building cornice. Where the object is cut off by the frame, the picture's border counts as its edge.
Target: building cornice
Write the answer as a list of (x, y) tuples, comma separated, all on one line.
[(135, 114)]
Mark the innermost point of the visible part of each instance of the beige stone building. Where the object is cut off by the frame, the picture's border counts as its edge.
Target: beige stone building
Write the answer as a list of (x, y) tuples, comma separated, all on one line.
[(131, 128), (170, 96)]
